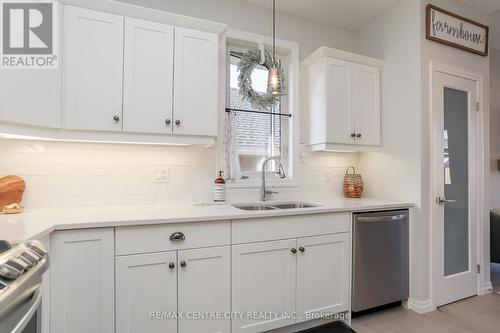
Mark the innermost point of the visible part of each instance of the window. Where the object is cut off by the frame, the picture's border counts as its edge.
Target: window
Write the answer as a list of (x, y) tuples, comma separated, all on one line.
[(258, 135)]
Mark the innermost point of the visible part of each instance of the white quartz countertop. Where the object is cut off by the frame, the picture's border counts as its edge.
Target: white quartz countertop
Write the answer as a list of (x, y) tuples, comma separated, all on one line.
[(36, 223)]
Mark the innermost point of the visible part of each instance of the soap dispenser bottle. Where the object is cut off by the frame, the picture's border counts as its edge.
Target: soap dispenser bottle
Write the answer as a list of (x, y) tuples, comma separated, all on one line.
[(220, 188)]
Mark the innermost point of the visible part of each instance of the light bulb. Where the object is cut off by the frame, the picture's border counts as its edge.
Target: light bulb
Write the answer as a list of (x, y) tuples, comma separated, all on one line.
[(274, 81)]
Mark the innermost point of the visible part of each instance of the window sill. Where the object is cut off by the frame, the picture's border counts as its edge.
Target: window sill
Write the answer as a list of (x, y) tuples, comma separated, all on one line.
[(257, 184)]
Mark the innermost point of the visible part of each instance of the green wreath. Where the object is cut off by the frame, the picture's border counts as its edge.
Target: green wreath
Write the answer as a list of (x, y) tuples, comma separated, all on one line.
[(247, 64)]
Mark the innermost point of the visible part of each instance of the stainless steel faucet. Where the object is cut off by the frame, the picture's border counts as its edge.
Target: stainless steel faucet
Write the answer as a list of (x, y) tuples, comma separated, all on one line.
[(263, 191)]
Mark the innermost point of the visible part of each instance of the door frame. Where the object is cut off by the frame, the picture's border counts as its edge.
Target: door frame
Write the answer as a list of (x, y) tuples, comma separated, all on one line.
[(440, 68)]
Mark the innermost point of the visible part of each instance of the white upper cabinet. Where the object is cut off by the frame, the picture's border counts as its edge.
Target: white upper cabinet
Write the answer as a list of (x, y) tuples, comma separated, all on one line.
[(342, 100), (196, 82), (148, 77), (367, 105), (339, 96), (93, 70), (31, 97), (120, 79)]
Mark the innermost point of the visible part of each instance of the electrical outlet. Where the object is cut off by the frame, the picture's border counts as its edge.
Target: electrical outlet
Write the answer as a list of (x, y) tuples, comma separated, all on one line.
[(161, 176), (329, 174)]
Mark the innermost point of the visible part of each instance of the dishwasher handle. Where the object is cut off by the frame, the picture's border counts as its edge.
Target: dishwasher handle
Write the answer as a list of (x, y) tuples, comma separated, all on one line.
[(381, 218)]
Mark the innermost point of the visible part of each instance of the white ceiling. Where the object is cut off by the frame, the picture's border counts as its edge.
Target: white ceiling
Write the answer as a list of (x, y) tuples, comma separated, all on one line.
[(347, 14)]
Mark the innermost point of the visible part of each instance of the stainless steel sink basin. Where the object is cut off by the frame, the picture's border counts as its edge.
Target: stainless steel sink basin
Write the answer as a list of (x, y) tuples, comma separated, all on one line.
[(274, 206), (255, 207), (294, 205)]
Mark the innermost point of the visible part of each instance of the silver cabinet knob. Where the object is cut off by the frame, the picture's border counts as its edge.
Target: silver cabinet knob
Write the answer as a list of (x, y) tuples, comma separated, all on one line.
[(293, 250), (116, 118), (177, 122), (167, 121), (171, 265), (183, 263), (302, 249)]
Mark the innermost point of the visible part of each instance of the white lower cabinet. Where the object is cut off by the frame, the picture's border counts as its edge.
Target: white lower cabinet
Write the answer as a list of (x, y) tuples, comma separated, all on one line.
[(82, 281), (152, 290), (307, 276), (264, 276), (146, 293), (323, 275), (204, 290), (187, 278)]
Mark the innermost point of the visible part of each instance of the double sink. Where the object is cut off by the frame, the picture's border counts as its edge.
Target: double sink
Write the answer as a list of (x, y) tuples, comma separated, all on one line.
[(275, 206)]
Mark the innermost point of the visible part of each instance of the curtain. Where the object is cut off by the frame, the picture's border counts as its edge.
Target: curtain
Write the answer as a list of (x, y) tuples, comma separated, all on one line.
[(232, 158)]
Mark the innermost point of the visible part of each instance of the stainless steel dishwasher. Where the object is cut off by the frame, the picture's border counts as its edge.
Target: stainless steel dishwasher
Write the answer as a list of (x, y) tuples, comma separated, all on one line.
[(380, 259)]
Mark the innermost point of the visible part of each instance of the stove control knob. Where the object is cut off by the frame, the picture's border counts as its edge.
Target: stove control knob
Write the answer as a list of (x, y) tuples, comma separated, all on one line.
[(28, 257), (9, 272), (20, 265), (37, 249)]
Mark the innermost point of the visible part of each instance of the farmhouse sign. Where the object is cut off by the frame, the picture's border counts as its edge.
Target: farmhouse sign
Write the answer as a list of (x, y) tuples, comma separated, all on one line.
[(448, 28)]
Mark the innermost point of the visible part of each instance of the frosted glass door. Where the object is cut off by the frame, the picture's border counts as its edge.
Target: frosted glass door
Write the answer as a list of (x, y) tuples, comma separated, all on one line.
[(454, 222), (456, 181)]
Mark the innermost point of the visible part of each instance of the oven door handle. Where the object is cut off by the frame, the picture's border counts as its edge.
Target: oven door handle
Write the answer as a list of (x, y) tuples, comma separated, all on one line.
[(35, 304)]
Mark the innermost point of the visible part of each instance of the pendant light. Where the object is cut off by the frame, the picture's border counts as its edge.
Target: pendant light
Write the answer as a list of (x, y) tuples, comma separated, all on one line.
[(274, 78)]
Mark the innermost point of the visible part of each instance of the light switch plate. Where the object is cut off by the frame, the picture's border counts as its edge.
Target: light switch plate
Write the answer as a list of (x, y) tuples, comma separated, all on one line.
[(161, 176)]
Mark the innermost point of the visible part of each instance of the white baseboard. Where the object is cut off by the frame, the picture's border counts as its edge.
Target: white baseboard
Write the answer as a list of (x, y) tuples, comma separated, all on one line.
[(420, 307), (488, 287)]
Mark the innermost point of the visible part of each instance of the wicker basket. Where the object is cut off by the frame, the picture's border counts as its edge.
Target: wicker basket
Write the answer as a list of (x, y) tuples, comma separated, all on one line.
[(353, 184)]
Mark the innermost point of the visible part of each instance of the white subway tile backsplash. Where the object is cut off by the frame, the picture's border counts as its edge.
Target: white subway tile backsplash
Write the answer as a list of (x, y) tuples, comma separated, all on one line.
[(64, 174)]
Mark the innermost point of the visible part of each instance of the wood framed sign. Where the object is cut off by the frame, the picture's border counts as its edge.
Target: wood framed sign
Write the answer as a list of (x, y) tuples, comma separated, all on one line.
[(453, 30)]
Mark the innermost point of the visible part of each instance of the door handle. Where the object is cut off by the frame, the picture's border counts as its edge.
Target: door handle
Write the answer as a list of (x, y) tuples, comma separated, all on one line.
[(381, 218), (442, 201)]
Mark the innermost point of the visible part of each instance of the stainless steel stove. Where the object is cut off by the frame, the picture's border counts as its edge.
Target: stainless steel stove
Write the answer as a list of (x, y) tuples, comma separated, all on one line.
[(21, 269)]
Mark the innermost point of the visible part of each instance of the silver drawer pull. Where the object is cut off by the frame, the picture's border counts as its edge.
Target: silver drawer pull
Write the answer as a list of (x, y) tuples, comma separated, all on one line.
[(177, 236), (382, 218)]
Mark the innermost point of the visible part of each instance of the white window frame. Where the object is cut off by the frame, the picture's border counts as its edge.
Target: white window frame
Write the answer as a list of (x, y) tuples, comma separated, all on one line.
[(238, 38), (273, 167)]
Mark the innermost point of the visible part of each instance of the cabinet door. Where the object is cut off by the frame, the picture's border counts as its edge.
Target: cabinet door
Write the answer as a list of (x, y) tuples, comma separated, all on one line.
[(146, 293), (264, 281), (82, 281), (196, 82), (148, 76), (93, 67), (204, 286), (31, 97), (367, 105), (339, 101), (323, 275)]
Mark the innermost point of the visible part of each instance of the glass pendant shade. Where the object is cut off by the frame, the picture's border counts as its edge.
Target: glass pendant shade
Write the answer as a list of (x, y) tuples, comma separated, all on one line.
[(274, 81)]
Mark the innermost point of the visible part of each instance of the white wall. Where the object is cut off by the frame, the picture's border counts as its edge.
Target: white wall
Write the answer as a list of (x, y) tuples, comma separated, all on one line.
[(401, 169), (495, 30), (247, 17), (495, 125), (495, 111), (395, 172), (465, 61)]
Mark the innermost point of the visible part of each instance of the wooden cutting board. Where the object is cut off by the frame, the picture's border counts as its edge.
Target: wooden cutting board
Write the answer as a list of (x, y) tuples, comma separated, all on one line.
[(11, 190)]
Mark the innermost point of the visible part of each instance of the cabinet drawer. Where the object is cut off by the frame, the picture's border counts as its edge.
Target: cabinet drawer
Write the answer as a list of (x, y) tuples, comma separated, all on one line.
[(156, 238), (264, 229)]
